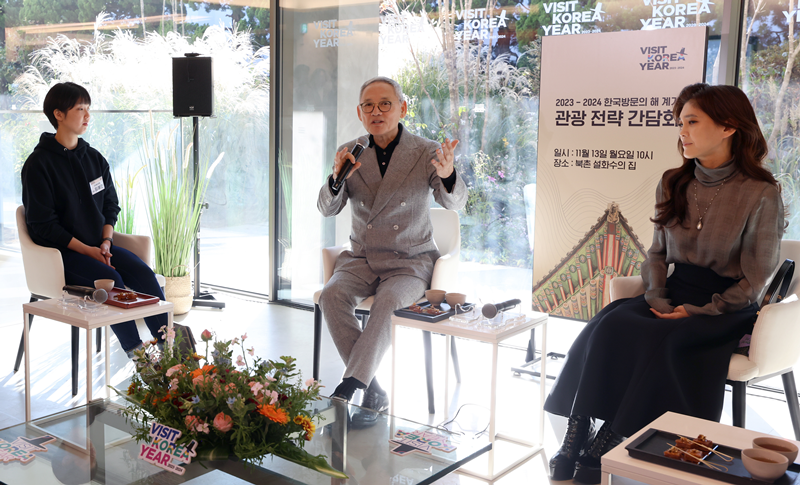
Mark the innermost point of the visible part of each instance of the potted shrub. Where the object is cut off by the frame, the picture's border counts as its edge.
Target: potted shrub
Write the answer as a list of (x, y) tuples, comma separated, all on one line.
[(173, 210)]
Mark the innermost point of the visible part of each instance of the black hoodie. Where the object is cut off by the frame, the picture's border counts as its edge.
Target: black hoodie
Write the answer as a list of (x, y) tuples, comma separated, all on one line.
[(57, 186)]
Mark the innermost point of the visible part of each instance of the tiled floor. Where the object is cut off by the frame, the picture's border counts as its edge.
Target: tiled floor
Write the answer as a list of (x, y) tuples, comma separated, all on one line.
[(276, 330)]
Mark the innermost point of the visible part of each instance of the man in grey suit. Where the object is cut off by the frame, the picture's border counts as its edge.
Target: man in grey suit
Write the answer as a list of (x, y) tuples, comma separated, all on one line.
[(393, 252)]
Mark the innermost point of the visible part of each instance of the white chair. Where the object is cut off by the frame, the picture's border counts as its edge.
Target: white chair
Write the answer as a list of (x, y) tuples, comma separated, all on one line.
[(447, 236), (44, 275), (775, 343)]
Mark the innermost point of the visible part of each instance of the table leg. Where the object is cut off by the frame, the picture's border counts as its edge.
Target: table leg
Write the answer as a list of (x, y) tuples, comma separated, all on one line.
[(394, 363), (26, 337), (493, 408), (89, 365), (605, 479), (542, 382), (447, 343), (169, 327), (108, 365)]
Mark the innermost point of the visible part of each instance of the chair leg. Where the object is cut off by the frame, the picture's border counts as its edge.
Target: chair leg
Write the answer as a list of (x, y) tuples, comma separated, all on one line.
[(791, 399), (426, 340), (98, 344), (75, 340), (317, 340), (454, 353), (739, 397), (21, 350)]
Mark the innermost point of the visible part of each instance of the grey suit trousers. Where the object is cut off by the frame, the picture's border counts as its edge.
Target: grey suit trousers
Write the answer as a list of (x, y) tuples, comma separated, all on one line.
[(362, 351)]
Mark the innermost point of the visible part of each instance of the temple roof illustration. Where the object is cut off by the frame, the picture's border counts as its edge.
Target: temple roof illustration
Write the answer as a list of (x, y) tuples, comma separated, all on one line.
[(577, 287)]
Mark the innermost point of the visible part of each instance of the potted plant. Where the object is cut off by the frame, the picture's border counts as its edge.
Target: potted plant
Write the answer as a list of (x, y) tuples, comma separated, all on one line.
[(173, 210)]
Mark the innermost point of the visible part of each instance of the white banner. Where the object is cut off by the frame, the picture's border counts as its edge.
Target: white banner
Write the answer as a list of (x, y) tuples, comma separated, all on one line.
[(606, 134)]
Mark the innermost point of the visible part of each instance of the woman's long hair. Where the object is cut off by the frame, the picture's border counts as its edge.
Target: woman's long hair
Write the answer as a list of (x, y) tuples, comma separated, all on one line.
[(727, 106)]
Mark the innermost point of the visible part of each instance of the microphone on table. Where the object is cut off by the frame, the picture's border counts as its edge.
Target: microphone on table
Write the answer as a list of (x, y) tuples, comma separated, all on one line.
[(490, 310), (361, 145), (99, 295)]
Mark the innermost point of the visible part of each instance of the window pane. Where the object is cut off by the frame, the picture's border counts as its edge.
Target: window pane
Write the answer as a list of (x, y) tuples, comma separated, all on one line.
[(129, 73), (769, 72)]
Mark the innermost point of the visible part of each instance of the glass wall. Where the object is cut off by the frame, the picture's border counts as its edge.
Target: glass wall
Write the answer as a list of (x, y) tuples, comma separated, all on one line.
[(470, 72), (123, 56), (769, 72)]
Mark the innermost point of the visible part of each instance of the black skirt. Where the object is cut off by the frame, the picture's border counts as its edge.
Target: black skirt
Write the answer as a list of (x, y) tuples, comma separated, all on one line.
[(630, 367)]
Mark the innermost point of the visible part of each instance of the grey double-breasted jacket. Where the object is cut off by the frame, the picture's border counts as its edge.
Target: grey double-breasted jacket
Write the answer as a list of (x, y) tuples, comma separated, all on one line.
[(391, 231)]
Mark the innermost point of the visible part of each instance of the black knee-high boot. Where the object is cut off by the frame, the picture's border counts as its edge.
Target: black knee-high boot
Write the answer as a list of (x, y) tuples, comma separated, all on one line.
[(587, 468), (580, 430)]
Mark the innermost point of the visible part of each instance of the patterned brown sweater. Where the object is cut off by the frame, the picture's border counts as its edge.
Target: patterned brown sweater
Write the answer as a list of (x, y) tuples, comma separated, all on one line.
[(740, 239)]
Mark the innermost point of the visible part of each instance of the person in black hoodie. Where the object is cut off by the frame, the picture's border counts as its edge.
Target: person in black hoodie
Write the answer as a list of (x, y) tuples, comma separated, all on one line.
[(71, 205)]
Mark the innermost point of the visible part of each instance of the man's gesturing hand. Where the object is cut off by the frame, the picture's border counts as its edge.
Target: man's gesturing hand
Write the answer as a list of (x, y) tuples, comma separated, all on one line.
[(445, 156)]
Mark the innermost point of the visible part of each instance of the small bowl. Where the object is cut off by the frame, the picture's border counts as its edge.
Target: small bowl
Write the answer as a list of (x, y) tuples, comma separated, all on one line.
[(454, 299), (107, 285), (435, 297), (764, 464), (784, 447)]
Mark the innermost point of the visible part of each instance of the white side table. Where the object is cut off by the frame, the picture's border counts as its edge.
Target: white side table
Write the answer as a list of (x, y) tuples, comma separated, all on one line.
[(492, 336), (107, 315), (618, 462)]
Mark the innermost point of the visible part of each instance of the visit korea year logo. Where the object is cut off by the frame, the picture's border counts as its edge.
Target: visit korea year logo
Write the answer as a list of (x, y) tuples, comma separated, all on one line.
[(657, 58)]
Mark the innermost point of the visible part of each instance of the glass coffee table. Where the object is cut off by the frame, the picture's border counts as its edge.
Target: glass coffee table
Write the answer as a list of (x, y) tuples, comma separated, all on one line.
[(93, 446)]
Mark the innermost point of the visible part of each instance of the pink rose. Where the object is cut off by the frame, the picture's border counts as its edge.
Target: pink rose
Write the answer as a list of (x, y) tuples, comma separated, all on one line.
[(201, 379), (174, 369), (205, 336), (223, 422), (191, 422)]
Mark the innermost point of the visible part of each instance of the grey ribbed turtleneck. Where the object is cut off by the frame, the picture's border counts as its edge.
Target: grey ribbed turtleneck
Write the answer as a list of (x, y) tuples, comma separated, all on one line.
[(740, 238)]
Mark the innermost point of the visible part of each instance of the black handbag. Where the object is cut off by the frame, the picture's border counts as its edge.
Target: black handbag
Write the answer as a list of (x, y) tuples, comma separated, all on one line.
[(776, 291), (184, 340)]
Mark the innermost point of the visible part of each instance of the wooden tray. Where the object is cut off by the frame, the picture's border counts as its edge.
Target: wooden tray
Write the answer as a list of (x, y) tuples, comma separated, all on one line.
[(448, 312), (141, 299), (650, 446)]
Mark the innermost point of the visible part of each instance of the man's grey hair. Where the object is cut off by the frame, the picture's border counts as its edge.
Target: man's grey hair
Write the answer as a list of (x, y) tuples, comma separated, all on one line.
[(383, 79)]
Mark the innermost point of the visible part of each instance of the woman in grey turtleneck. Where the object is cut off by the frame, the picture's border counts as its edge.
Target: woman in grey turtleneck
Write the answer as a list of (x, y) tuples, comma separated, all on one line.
[(719, 219)]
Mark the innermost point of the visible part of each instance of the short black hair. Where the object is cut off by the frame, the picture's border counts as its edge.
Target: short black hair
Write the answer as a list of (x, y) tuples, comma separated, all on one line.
[(63, 97)]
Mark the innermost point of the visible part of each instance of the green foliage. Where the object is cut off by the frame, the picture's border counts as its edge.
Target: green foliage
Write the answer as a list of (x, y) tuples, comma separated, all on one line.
[(500, 146), (173, 209), (250, 410), (127, 203)]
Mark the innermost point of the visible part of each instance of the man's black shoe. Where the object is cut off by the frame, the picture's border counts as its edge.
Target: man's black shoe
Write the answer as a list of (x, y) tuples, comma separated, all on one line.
[(373, 404)]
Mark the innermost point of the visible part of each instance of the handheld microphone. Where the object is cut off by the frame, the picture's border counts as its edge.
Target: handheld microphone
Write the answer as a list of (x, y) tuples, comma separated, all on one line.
[(490, 310), (100, 295), (357, 150)]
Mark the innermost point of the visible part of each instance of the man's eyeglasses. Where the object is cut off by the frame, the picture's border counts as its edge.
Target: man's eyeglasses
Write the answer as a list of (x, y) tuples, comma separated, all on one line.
[(384, 106)]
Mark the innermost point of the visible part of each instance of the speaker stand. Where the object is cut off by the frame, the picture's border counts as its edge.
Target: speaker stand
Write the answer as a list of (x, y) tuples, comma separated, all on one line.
[(201, 298)]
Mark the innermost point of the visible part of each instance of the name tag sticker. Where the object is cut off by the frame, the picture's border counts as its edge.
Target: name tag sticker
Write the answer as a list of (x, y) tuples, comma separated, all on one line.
[(97, 185)]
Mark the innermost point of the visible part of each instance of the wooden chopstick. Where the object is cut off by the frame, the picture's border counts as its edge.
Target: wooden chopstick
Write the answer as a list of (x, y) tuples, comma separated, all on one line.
[(713, 466), (718, 453)]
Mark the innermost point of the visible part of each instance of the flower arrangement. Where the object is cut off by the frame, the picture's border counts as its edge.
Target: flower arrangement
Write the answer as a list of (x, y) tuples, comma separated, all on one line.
[(230, 407)]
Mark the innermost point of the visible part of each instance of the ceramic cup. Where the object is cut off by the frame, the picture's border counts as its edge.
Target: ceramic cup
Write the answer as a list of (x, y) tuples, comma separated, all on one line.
[(454, 299), (784, 447), (435, 297), (107, 285), (764, 464)]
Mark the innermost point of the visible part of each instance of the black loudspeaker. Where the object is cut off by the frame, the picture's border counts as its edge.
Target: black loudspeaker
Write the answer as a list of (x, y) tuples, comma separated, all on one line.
[(192, 86)]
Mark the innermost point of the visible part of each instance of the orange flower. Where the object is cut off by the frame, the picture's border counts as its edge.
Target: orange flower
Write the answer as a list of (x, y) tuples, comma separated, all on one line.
[(277, 415), (307, 425), (206, 369)]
